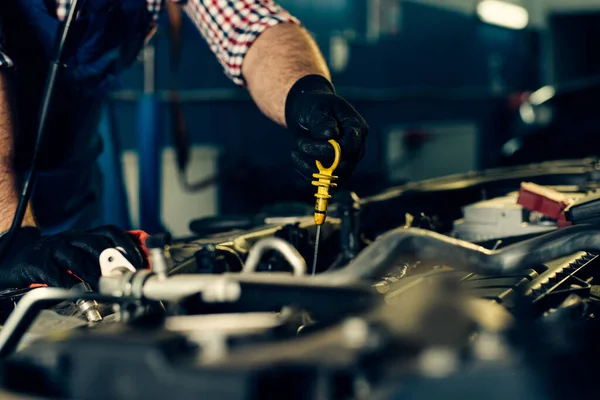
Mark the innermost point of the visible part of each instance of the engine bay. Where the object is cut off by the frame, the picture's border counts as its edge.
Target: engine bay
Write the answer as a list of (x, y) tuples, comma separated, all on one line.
[(482, 285)]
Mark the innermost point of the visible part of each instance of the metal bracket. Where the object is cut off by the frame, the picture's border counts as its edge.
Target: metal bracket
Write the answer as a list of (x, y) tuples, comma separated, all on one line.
[(113, 259)]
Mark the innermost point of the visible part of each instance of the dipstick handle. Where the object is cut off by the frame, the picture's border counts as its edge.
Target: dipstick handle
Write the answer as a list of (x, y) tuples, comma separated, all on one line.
[(324, 180)]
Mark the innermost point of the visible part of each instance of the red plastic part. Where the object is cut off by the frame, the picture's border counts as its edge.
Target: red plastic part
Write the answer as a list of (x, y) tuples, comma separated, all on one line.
[(561, 222), (140, 237), (546, 201)]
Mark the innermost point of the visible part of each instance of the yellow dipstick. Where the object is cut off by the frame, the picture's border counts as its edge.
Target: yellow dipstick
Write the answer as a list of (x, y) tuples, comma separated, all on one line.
[(324, 181)]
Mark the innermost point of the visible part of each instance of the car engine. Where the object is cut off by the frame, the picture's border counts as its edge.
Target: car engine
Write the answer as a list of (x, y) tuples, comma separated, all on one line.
[(482, 285)]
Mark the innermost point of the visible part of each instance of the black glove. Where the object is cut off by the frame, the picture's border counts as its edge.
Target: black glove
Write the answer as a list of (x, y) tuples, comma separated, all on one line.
[(315, 114), (53, 259)]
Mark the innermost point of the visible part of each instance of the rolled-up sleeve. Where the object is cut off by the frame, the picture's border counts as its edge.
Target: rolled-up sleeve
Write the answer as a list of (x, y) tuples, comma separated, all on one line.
[(231, 26)]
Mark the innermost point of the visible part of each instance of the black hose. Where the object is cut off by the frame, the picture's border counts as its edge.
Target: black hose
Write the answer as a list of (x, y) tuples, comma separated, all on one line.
[(55, 66), (211, 225), (410, 244)]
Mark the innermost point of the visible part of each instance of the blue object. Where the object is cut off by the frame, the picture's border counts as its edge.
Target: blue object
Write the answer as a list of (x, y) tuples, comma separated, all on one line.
[(148, 139), (53, 192), (109, 35), (116, 210), (106, 38)]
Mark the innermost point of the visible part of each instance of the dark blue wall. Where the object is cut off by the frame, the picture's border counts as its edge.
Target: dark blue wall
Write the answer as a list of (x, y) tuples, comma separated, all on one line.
[(435, 68)]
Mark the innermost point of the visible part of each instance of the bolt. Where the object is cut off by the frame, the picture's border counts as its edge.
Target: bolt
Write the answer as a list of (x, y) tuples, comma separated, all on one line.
[(93, 316), (90, 309)]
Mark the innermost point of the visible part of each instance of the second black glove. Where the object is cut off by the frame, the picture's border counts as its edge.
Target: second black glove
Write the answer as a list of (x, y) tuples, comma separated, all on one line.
[(55, 259)]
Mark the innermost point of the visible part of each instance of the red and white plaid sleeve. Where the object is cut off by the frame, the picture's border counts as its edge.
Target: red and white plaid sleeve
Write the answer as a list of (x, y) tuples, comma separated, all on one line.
[(231, 26)]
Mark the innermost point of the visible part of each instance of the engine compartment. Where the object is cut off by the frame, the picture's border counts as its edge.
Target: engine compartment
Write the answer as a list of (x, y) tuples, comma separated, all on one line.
[(445, 287)]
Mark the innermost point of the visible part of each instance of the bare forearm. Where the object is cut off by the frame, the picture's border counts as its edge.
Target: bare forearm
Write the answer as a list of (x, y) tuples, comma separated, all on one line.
[(8, 187), (277, 59)]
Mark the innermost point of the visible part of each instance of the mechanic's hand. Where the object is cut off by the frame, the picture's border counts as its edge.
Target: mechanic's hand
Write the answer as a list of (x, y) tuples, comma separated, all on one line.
[(59, 260), (315, 114)]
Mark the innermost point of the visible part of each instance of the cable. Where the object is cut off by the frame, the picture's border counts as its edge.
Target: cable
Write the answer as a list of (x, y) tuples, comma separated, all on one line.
[(200, 185), (48, 93), (401, 245), (179, 128)]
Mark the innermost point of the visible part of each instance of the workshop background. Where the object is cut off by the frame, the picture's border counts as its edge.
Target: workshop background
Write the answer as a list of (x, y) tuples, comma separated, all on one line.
[(439, 85)]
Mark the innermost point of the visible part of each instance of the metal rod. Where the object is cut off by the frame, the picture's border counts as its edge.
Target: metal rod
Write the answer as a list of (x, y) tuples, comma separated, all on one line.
[(316, 253), (178, 287), (350, 93), (149, 68)]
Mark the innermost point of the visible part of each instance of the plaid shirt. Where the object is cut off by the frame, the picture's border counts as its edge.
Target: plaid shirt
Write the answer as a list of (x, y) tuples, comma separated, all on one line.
[(229, 26)]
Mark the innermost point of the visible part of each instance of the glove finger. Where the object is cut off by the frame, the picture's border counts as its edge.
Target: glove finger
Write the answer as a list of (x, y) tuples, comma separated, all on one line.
[(347, 115), (22, 276), (91, 245), (308, 163), (353, 128), (79, 262), (352, 138), (303, 165), (118, 238), (314, 150), (322, 125)]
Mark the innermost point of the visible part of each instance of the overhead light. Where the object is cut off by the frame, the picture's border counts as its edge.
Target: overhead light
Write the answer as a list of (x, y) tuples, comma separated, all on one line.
[(503, 14)]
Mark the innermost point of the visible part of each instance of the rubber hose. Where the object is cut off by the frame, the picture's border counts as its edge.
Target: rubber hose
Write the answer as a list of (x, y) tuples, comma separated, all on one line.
[(210, 225), (403, 245)]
